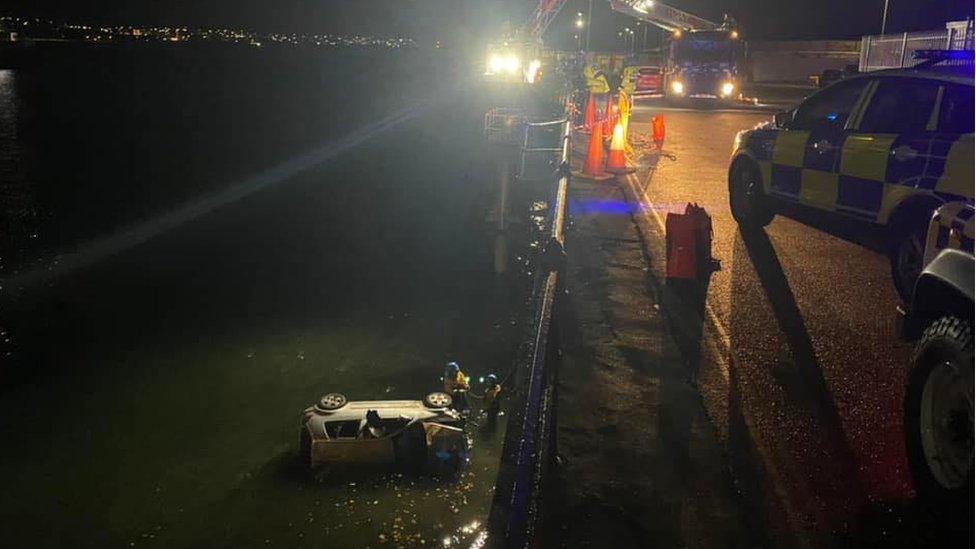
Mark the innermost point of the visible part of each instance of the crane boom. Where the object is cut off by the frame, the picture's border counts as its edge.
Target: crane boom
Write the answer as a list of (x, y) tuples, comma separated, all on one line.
[(662, 15), (545, 12)]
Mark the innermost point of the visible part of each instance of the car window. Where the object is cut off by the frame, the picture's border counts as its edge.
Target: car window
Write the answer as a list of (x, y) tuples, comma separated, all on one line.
[(830, 108), (900, 105), (342, 429), (956, 110)]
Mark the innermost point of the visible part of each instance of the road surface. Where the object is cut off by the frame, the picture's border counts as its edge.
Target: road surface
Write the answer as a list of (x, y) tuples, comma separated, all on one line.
[(792, 344)]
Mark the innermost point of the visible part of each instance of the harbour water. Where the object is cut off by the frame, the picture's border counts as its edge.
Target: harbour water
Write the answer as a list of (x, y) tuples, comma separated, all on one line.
[(156, 387)]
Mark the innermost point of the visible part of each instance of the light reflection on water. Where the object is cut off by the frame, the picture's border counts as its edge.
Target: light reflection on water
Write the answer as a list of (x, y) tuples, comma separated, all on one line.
[(18, 210), (189, 359)]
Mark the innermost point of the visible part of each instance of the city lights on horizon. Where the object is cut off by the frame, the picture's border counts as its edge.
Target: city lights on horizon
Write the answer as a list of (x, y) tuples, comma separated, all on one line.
[(34, 28)]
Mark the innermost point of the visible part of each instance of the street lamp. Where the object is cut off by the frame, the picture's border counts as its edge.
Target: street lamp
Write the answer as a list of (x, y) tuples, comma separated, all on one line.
[(579, 20)]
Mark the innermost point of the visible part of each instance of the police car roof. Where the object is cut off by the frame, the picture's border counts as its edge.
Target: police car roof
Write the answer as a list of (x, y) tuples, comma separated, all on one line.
[(956, 74)]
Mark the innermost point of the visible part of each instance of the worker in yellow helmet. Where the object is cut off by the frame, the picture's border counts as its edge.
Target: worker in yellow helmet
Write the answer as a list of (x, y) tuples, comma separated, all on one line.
[(493, 393), (628, 80), (596, 81), (456, 385)]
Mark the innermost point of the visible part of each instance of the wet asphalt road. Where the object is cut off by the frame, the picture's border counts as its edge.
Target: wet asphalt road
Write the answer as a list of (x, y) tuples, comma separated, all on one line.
[(792, 344)]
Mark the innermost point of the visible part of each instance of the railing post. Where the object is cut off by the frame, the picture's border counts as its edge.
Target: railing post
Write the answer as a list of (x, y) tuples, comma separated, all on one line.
[(904, 47), (863, 58)]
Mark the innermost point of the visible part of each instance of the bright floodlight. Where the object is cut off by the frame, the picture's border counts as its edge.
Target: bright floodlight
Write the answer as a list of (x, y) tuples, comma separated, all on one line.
[(503, 63), (677, 87), (727, 89)]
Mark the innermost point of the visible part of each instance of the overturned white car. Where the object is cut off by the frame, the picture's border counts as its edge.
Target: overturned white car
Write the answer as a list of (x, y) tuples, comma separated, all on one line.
[(413, 434)]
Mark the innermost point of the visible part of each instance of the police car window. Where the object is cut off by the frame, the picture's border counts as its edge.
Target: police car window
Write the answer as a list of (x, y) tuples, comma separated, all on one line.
[(900, 105), (956, 111), (830, 108)]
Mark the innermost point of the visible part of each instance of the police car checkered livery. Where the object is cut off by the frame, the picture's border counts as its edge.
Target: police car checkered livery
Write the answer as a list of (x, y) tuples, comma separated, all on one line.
[(888, 148)]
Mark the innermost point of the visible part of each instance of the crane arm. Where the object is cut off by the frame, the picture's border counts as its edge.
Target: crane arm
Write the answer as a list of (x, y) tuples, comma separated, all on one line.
[(545, 12), (662, 15)]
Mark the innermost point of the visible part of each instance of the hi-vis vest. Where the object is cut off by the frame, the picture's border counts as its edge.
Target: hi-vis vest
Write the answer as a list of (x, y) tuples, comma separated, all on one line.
[(596, 82)]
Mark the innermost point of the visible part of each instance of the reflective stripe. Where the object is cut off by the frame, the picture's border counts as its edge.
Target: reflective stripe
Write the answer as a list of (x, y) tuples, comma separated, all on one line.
[(866, 156), (819, 188), (874, 173), (790, 148), (957, 177)]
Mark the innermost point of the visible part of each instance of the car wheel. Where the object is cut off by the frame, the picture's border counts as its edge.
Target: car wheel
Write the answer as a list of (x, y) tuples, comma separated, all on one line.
[(907, 250), (939, 414), (438, 400), (750, 207), (332, 401)]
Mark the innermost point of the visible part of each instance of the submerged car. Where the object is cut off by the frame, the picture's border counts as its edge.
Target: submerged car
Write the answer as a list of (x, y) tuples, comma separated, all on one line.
[(412, 434)]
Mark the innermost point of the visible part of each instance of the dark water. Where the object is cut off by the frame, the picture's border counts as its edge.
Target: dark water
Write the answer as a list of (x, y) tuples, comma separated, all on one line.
[(149, 394)]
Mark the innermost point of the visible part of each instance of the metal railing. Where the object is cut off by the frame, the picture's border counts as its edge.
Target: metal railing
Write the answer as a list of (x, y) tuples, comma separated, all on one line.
[(529, 449), (892, 51), (502, 123), (529, 144)]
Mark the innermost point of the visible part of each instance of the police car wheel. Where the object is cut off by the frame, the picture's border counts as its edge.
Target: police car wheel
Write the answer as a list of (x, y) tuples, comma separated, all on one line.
[(907, 252), (748, 202), (939, 414)]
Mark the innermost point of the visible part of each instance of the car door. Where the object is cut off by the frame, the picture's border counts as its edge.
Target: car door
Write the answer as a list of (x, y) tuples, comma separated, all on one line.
[(954, 178), (805, 155), (885, 156)]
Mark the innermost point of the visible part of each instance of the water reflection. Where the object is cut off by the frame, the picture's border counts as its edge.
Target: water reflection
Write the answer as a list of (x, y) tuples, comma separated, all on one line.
[(18, 206)]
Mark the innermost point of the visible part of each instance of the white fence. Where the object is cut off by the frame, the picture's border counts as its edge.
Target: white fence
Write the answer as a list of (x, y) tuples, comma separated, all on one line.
[(889, 51)]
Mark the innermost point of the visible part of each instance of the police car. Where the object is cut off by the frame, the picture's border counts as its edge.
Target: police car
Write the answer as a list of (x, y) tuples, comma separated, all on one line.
[(938, 400), (887, 148)]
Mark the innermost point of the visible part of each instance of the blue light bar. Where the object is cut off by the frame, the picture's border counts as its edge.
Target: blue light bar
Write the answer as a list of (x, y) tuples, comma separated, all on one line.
[(943, 55)]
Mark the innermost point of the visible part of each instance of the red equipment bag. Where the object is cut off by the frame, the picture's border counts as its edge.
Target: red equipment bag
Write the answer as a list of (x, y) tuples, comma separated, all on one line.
[(689, 243)]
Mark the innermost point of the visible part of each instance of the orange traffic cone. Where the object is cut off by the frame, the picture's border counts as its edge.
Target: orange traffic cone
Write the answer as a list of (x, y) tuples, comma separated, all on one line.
[(657, 131), (617, 160), (593, 167), (590, 117), (608, 116)]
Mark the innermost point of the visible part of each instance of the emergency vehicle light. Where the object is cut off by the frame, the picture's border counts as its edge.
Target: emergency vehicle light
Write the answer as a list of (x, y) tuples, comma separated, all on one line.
[(943, 55)]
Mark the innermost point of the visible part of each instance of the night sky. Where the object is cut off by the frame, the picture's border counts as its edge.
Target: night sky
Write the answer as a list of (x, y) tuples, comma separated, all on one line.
[(427, 19)]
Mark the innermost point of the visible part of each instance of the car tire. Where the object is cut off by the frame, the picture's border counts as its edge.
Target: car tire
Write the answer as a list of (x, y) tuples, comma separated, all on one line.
[(332, 401), (747, 199), (906, 249), (438, 400), (938, 408)]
